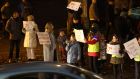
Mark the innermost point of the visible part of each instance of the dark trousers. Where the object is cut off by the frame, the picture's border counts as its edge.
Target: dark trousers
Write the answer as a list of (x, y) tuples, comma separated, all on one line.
[(14, 43), (117, 71), (137, 70), (94, 64)]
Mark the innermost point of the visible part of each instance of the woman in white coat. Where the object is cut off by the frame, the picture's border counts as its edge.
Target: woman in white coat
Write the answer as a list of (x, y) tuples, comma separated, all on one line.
[(30, 40), (48, 49)]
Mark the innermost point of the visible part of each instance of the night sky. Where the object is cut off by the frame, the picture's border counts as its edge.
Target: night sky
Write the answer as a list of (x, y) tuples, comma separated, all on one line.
[(50, 10)]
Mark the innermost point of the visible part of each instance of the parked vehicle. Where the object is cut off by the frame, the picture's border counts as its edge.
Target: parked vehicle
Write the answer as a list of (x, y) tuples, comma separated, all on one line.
[(44, 70)]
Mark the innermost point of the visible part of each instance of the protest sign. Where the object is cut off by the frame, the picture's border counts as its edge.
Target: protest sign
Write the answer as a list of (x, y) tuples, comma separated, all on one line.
[(28, 25), (43, 38), (113, 49), (79, 35), (132, 47), (74, 5)]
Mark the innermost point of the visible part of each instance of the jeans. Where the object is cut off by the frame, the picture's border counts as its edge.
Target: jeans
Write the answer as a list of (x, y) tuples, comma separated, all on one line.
[(117, 71), (94, 64), (14, 43)]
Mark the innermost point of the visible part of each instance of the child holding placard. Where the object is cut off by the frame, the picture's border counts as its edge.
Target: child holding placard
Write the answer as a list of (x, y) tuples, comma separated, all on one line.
[(73, 51), (116, 59), (137, 63), (30, 40)]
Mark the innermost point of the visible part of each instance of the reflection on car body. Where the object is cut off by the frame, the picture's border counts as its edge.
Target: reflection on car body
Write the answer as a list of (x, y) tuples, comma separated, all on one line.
[(44, 70)]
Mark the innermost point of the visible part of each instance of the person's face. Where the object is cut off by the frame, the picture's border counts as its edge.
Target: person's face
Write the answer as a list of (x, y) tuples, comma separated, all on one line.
[(30, 18), (15, 15), (75, 21), (7, 4), (93, 1), (24, 1), (114, 39), (62, 33), (72, 38)]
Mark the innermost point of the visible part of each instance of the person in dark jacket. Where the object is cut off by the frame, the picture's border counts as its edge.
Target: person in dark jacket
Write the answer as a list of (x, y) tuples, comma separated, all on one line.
[(14, 28), (73, 51)]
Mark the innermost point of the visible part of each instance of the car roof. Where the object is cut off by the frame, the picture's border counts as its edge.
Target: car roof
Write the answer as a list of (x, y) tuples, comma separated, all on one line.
[(12, 69)]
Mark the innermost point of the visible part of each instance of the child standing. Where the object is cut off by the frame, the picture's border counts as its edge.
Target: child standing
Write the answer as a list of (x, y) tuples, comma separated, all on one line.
[(102, 55), (30, 41), (102, 43), (61, 40), (73, 51), (93, 51), (137, 63), (116, 59), (48, 49)]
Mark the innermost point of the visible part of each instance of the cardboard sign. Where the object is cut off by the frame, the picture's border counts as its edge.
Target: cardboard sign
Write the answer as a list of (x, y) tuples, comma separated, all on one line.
[(28, 25), (132, 47), (79, 35), (74, 5), (43, 38), (113, 49)]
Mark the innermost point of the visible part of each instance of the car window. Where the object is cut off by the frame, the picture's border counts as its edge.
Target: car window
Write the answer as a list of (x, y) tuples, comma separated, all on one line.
[(40, 75), (82, 73)]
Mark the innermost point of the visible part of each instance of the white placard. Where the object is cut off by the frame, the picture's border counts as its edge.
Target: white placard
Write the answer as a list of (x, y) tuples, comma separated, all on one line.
[(132, 47), (113, 49), (74, 5), (43, 38), (28, 25), (79, 35)]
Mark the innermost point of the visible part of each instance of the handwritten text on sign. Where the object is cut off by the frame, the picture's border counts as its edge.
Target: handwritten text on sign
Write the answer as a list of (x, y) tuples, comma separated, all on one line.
[(43, 38), (113, 49), (132, 47), (79, 35), (28, 25), (74, 5)]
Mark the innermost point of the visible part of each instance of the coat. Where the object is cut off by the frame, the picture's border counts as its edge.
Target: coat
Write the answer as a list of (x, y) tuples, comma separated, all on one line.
[(14, 28), (48, 49), (73, 52), (30, 39)]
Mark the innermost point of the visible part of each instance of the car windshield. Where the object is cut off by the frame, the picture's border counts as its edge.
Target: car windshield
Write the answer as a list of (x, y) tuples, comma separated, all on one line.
[(41, 75)]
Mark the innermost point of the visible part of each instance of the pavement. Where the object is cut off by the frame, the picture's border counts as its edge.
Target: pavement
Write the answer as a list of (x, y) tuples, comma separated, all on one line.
[(106, 71)]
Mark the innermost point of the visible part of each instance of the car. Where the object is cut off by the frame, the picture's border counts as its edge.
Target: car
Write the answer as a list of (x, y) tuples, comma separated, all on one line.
[(44, 70)]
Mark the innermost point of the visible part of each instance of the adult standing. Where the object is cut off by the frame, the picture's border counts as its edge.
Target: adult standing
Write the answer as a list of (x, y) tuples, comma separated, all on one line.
[(6, 13), (30, 41), (14, 28), (25, 8), (48, 49)]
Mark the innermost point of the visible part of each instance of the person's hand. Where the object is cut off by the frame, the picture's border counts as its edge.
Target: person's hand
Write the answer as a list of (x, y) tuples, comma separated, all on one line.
[(24, 29), (33, 29)]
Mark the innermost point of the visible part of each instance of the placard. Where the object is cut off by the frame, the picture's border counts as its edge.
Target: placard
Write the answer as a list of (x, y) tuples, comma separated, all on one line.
[(28, 25), (113, 49), (43, 38), (132, 47), (74, 5), (79, 35)]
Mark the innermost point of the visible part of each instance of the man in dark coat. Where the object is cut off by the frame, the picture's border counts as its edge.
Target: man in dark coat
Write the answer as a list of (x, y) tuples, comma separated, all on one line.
[(14, 28)]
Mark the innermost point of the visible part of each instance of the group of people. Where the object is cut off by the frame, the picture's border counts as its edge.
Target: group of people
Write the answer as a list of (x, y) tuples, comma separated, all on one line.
[(66, 47)]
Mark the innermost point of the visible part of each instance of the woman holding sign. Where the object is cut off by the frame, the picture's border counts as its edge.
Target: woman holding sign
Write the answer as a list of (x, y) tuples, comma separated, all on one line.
[(48, 49), (116, 57), (30, 29)]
